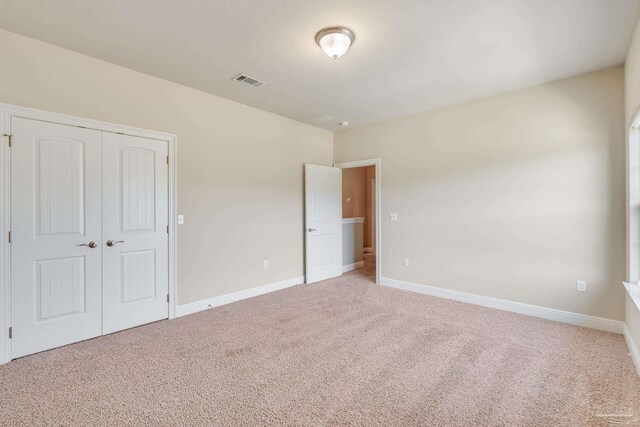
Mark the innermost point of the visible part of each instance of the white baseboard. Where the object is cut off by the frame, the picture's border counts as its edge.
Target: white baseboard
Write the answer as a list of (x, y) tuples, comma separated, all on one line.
[(633, 349), (577, 319), (353, 266), (194, 307)]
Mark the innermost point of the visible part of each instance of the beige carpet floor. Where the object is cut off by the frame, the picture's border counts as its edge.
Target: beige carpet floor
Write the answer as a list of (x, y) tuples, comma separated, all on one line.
[(340, 352)]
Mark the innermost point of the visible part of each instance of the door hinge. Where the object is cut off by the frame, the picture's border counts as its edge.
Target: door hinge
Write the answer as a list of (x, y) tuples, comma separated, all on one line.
[(167, 228), (167, 159), (10, 332), (167, 297), (9, 138), (9, 237)]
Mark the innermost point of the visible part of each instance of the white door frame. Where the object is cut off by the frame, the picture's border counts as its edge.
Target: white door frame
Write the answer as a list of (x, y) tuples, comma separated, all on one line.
[(378, 209), (7, 112), (632, 197)]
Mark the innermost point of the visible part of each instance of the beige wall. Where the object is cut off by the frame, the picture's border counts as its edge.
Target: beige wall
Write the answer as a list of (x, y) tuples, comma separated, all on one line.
[(515, 196), (239, 168), (632, 77), (632, 102)]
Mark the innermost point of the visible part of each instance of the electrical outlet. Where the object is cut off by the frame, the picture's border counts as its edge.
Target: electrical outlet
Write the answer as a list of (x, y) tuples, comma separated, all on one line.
[(265, 263), (581, 286), (405, 262), (393, 216), (180, 219)]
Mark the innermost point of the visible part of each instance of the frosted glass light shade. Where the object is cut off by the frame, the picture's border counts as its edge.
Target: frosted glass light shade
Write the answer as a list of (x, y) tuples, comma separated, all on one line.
[(335, 41)]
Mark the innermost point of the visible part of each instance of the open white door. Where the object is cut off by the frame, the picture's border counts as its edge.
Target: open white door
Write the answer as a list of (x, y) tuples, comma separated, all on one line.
[(323, 222)]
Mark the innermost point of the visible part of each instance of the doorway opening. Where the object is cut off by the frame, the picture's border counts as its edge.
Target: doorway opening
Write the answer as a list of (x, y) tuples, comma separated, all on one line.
[(361, 218)]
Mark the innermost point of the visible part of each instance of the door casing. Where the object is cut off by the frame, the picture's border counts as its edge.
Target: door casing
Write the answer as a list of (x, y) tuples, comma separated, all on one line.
[(7, 112), (378, 208)]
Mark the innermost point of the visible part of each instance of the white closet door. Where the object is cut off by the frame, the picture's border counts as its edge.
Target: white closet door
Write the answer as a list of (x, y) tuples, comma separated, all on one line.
[(323, 221), (55, 208), (135, 212)]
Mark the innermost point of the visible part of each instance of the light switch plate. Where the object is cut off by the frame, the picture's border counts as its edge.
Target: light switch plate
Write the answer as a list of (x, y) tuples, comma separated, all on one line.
[(180, 219), (348, 199), (581, 286), (265, 264), (393, 216)]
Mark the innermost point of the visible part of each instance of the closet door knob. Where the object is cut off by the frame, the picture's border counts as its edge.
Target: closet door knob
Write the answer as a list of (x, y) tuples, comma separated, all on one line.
[(91, 244), (114, 242)]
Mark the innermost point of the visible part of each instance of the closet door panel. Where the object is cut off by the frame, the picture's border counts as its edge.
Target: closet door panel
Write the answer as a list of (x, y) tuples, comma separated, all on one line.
[(135, 206), (56, 235)]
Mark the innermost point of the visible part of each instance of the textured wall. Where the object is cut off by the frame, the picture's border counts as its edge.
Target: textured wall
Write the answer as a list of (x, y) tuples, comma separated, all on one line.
[(240, 169), (515, 196)]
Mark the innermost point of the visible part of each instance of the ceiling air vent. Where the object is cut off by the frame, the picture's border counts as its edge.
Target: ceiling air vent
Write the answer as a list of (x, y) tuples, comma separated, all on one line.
[(322, 119), (249, 81)]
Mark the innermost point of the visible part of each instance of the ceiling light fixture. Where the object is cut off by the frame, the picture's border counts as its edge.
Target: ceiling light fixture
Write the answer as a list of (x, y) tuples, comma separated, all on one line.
[(335, 41)]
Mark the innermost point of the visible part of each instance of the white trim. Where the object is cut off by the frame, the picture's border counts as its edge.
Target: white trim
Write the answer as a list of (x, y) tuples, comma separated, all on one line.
[(632, 196), (351, 267), (7, 112), (633, 289), (632, 153), (633, 349), (378, 246), (194, 307), (5, 260), (173, 225), (354, 220), (577, 319), (634, 123), (357, 163)]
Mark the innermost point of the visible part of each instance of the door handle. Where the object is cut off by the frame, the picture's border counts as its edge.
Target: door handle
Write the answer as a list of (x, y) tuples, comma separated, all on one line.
[(311, 229), (114, 242), (91, 244)]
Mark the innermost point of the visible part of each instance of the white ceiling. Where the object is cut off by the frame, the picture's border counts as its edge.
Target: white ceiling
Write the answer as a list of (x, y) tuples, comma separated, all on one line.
[(409, 55)]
